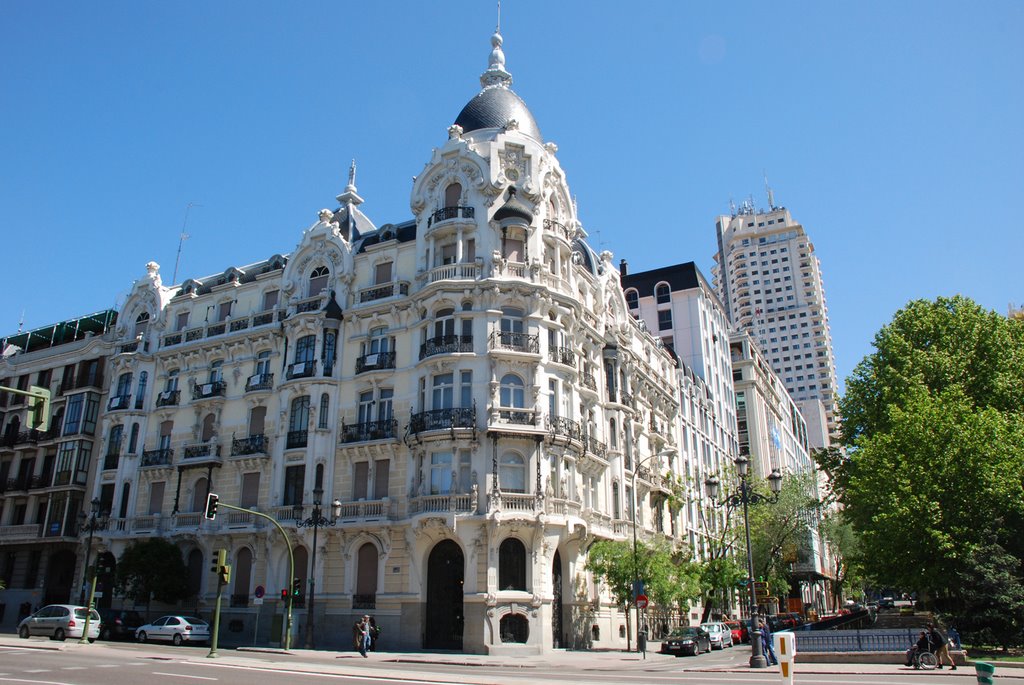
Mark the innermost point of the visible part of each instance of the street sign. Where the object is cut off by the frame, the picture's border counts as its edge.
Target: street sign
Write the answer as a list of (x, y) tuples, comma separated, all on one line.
[(257, 601), (641, 602), (259, 592)]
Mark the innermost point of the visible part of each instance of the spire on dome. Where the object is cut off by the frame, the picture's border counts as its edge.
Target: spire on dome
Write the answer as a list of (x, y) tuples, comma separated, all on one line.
[(350, 197), (496, 74)]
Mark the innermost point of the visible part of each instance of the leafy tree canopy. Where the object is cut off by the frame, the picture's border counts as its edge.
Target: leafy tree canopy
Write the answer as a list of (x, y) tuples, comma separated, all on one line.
[(932, 479), (152, 568), (780, 531)]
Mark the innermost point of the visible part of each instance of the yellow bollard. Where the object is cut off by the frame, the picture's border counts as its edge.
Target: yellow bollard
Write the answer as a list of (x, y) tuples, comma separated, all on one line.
[(785, 650)]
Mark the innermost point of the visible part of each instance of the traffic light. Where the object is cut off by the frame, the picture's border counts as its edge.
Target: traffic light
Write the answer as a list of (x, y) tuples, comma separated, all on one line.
[(211, 506), (222, 559), (39, 418), (297, 587), (284, 595), (224, 574)]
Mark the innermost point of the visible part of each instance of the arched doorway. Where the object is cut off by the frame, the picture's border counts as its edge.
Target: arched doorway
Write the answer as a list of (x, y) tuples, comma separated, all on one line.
[(444, 617), (60, 576), (556, 601), (105, 580)]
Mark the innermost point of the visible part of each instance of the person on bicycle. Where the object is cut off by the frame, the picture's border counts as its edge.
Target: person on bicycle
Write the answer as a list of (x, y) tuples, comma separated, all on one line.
[(922, 645)]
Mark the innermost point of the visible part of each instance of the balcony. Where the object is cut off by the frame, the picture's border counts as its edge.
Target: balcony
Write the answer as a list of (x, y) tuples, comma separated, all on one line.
[(205, 391), (252, 445), (375, 362), (448, 213), (220, 328), (168, 398), (201, 451), (383, 291), (369, 430), (566, 428), (458, 503), (88, 380), (516, 342), (158, 457), (364, 510), (561, 230), (260, 382), (443, 419), (296, 439), (446, 344), (364, 602), (564, 356), (589, 381), (469, 271), (518, 417), (301, 370), (595, 446), (118, 402), (310, 304)]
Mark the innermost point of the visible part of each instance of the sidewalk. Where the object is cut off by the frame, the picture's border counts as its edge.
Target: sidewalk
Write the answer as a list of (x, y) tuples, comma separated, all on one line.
[(464, 664)]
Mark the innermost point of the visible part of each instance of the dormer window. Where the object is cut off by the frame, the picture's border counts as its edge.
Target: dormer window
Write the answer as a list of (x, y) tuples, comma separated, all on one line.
[(663, 294), (141, 322), (318, 280), (632, 299)]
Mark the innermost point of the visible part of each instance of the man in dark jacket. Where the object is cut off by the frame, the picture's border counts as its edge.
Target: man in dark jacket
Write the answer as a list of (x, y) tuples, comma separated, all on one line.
[(940, 644)]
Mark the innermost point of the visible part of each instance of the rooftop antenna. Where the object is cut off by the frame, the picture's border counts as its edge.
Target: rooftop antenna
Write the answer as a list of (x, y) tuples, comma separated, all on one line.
[(768, 189), (182, 237), (21, 321), (732, 206)]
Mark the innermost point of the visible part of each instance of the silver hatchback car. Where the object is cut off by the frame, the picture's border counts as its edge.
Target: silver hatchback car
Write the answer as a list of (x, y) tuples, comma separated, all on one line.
[(60, 621), (721, 635)]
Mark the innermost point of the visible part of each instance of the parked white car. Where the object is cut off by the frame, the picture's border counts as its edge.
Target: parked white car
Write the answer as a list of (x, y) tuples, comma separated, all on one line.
[(721, 635), (175, 629), (60, 621)]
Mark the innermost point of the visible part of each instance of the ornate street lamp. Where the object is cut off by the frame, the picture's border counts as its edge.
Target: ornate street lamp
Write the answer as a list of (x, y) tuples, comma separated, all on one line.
[(316, 520), (96, 520), (636, 565), (745, 495)]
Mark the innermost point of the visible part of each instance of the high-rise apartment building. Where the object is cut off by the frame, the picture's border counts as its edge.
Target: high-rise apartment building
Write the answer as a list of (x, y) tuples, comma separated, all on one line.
[(769, 278)]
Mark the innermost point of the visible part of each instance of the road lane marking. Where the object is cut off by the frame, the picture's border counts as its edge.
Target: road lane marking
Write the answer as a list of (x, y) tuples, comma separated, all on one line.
[(72, 668), (34, 682), (182, 675)]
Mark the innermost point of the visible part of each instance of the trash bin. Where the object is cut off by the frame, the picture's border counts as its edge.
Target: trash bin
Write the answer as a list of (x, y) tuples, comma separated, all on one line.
[(984, 672), (641, 641)]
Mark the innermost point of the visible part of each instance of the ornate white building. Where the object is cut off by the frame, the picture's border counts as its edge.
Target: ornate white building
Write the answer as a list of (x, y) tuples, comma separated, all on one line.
[(469, 386)]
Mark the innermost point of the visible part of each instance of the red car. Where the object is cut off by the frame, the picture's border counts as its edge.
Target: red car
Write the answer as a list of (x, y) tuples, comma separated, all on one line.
[(740, 631)]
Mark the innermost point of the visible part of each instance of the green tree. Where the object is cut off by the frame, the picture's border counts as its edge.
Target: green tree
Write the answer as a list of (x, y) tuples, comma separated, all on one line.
[(844, 548), (152, 569), (933, 430)]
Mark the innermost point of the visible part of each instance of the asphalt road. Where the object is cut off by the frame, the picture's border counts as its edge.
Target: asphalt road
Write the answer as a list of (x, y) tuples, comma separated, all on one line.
[(131, 664)]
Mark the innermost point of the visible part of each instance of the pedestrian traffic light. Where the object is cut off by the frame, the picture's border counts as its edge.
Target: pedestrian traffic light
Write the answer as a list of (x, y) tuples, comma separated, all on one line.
[(297, 587), (284, 595), (224, 574), (211, 506)]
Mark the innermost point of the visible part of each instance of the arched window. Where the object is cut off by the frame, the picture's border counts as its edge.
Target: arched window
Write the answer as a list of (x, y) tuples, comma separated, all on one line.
[(512, 472), (453, 195), (140, 396), (366, 576), (616, 506), (199, 493), (209, 423), (141, 322), (318, 280), (632, 299), (325, 408), (663, 294), (512, 392), (512, 565), (133, 439)]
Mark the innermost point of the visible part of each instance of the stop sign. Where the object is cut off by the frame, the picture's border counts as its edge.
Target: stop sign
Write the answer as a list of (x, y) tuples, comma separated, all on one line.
[(641, 602)]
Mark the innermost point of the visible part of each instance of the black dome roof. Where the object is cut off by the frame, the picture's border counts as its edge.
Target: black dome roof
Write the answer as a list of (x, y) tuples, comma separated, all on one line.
[(493, 108)]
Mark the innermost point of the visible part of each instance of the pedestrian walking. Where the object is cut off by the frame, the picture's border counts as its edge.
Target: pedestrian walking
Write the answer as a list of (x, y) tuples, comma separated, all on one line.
[(364, 636), (941, 645), (374, 634), (766, 643)]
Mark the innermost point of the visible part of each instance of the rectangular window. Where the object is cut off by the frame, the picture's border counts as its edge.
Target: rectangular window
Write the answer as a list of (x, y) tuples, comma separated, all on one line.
[(250, 490), (294, 482), (382, 273), (360, 480), (440, 473), (156, 497), (181, 323), (73, 414), (270, 299), (443, 391), (224, 311), (381, 478), (305, 349)]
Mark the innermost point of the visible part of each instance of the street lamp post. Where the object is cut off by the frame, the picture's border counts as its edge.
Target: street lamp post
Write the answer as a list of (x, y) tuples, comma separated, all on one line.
[(636, 565), (746, 496), (316, 520), (97, 520)]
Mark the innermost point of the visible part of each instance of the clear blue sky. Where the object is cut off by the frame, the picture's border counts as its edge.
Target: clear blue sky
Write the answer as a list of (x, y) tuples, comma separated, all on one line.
[(892, 131)]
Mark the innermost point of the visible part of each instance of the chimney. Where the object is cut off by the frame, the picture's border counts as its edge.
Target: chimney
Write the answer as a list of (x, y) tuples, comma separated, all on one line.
[(623, 267)]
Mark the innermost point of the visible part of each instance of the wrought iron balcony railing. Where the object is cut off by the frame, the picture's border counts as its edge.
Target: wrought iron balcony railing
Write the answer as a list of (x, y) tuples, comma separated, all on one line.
[(254, 444), (382, 291), (202, 391), (301, 369), (443, 419), (559, 425), (200, 450), (446, 213), (157, 457), (118, 402), (563, 355), (446, 344), (260, 381), (297, 439), (168, 398), (375, 361), (518, 342), (385, 429)]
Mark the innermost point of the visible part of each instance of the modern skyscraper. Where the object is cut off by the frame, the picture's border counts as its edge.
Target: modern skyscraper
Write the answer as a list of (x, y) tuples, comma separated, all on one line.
[(769, 278)]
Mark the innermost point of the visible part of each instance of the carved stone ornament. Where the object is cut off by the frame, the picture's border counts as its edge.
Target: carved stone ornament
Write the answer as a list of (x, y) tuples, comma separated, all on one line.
[(455, 132)]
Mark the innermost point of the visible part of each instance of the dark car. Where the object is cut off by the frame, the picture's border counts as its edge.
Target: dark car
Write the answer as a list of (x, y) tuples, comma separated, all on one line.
[(686, 642), (119, 624)]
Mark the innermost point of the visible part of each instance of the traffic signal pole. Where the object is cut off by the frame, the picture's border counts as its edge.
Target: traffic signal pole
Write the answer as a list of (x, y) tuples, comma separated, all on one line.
[(291, 568), (221, 560)]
